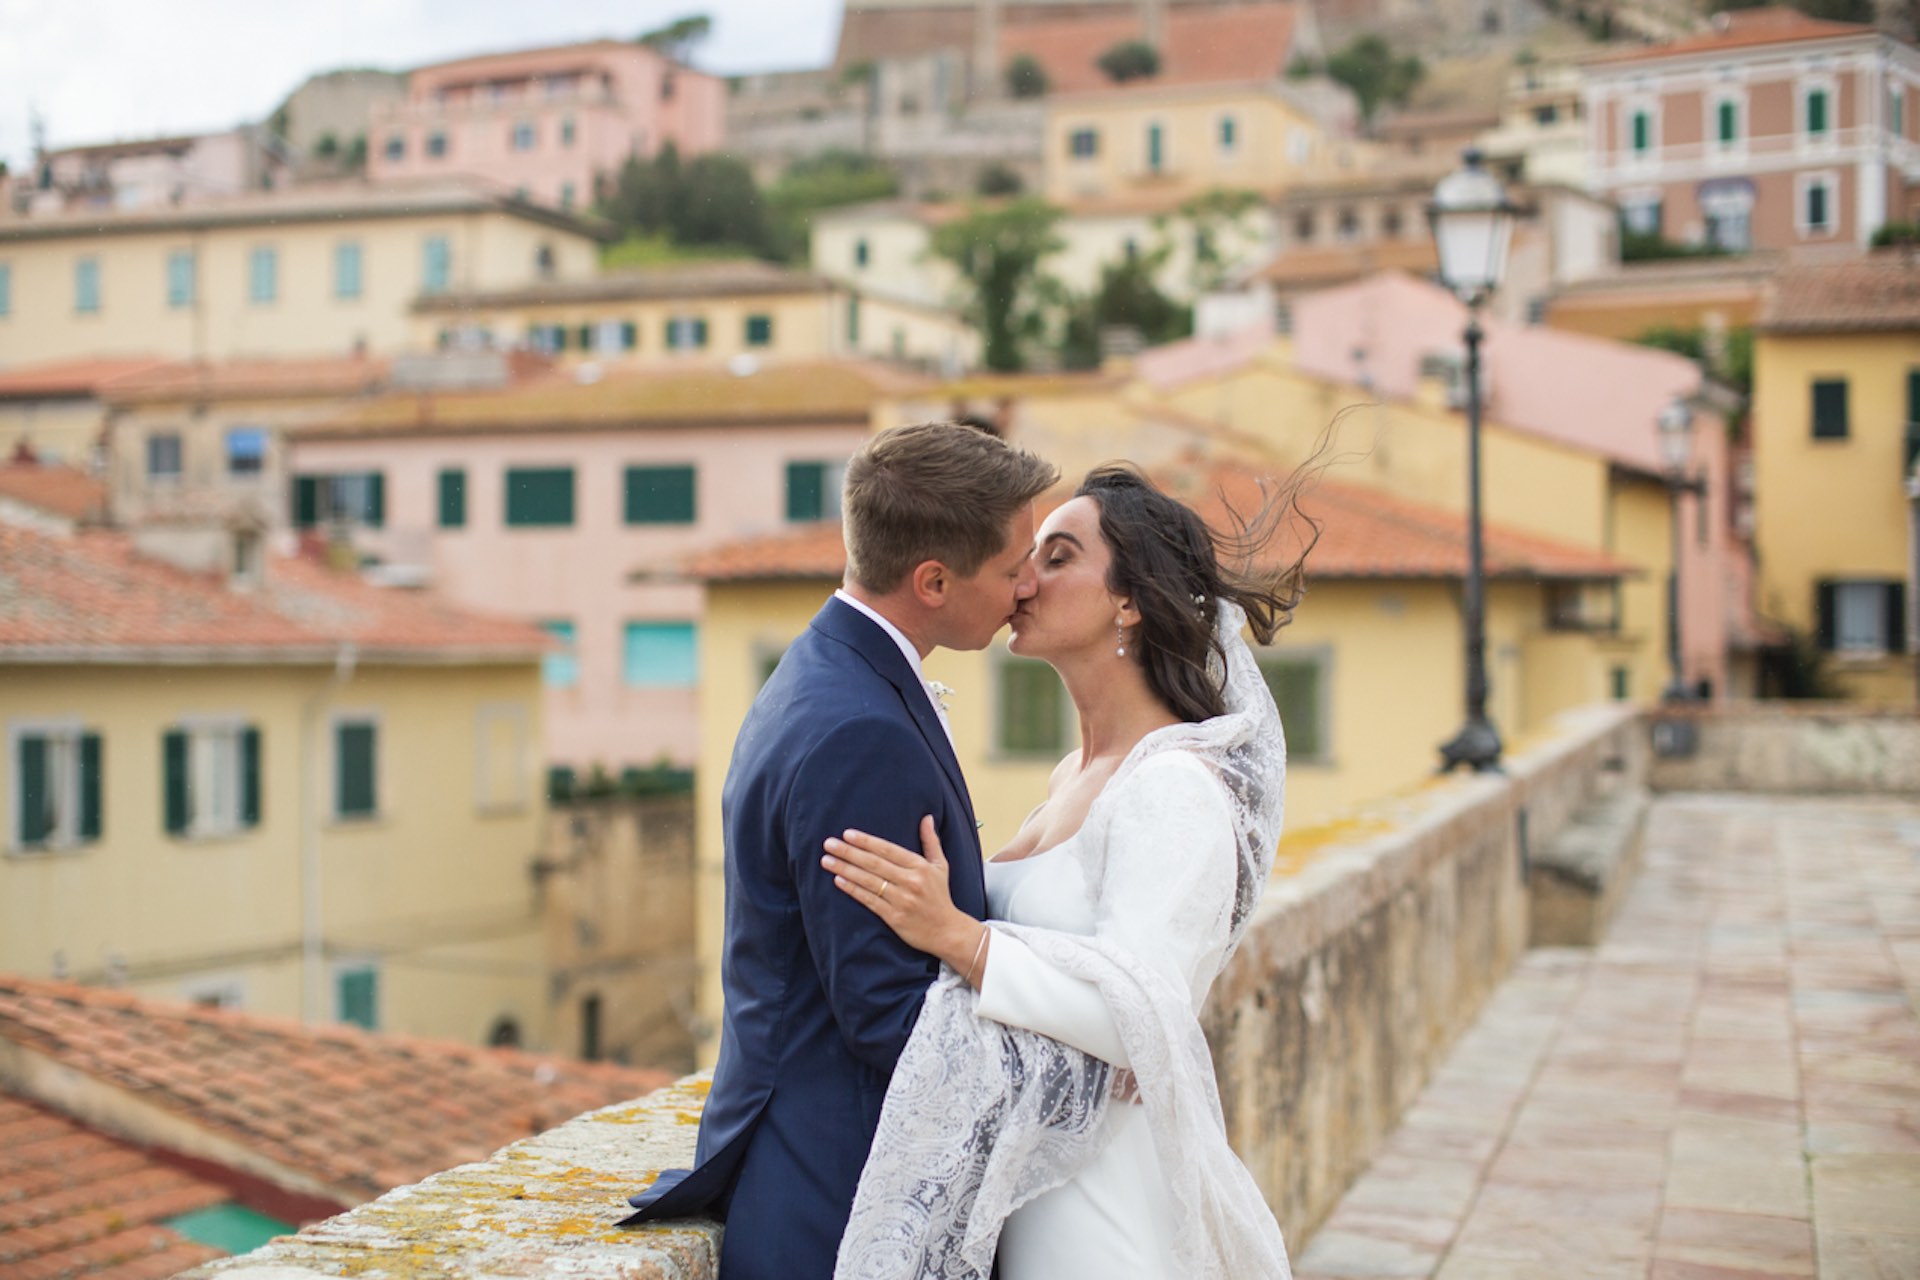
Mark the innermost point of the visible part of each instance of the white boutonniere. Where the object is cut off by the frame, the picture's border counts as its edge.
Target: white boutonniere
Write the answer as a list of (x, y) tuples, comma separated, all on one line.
[(940, 694)]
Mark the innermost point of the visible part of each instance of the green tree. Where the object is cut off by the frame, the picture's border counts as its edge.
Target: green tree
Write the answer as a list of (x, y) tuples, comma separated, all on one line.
[(326, 146), (1127, 296), (357, 153), (676, 39), (1897, 233), (1130, 60), (1026, 78), (998, 180), (998, 254), (828, 180), (1214, 217), (1369, 67), (710, 202)]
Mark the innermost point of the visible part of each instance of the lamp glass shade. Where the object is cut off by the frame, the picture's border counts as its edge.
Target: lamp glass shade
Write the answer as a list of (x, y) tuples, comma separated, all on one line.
[(1676, 436), (1472, 225)]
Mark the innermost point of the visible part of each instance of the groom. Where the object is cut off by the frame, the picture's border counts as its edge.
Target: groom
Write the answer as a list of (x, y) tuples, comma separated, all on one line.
[(820, 995)]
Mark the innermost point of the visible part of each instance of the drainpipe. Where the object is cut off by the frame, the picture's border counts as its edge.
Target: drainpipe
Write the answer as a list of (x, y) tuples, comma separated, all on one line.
[(1913, 573), (312, 952)]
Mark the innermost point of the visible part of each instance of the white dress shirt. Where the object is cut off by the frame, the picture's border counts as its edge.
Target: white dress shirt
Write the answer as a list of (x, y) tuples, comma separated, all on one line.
[(912, 656)]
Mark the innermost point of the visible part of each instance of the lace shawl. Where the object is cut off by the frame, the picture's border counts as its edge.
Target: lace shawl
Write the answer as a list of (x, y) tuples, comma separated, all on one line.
[(981, 1117)]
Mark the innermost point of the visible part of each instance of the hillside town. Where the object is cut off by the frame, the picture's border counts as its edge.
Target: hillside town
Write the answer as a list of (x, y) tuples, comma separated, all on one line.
[(405, 493)]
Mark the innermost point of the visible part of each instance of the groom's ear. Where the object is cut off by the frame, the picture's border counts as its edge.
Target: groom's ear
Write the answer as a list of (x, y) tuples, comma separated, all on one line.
[(930, 581)]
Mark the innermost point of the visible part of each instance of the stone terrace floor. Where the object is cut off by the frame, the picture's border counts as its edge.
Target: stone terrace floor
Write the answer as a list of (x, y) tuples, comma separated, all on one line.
[(1728, 1087)]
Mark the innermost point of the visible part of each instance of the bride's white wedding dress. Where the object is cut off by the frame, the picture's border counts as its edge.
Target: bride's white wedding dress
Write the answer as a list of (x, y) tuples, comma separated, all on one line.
[(1065, 1119)]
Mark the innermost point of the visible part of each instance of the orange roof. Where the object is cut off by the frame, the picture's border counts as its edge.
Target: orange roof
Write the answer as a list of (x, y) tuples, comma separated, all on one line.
[(1337, 264), (1743, 29), (77, 378), (1201, 45), (357, 1111), (67, 492), (1876, 294), (93, 597), (76, 1203), (1364, 534), (250, 379)]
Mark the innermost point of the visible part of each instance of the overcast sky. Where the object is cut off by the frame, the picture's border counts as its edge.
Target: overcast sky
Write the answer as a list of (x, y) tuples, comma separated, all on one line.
[(100, 70)]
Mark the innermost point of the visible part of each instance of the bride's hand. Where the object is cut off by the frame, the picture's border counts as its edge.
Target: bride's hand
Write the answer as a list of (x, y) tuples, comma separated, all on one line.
[(907, 890)]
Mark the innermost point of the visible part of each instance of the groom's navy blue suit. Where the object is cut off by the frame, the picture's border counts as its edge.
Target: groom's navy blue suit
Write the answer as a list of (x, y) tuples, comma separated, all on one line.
[(820, 995)]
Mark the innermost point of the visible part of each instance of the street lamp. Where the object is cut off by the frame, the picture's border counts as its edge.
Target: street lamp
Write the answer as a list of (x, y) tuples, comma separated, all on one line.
[(1676, 458), (1472, 221)]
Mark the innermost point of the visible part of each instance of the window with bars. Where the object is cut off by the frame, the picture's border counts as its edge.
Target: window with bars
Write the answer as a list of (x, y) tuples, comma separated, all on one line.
[(1301, 690), (57, 786), (1030, 709), (540, 497), (660, 495), (210, 779)]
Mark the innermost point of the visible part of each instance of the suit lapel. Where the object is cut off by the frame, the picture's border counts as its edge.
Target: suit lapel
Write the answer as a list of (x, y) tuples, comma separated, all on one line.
[(848, 625)]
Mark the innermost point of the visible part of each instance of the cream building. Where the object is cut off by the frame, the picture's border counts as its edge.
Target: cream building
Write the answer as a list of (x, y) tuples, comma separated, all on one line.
[(314, 271), (267, 784)]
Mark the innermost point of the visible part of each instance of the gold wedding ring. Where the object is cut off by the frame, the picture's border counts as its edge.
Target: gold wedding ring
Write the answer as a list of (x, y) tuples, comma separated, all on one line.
[(883, 888)]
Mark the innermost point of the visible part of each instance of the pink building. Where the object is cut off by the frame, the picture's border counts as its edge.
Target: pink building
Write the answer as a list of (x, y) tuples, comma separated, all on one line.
[(1772, 130), (574, 501), (546, 122)]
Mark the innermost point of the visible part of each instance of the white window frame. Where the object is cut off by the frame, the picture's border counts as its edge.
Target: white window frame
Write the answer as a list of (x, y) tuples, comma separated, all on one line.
[(63, 772), (1321, 656), (513, 714), (1727, 202), (1631, 107), (1802, 184), (687, 323), (1726, 152), (203, 772), (382, 797), (1803, 90)]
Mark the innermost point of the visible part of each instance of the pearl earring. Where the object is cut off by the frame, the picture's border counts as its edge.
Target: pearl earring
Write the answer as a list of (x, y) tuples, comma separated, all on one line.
[(1119, 639)]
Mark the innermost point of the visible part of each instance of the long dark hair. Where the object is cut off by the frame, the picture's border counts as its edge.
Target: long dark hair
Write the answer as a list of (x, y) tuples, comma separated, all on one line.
[(1177, 570)]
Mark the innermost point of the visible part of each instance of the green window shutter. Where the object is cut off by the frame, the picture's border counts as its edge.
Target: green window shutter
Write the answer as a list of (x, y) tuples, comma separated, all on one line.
[(176, 786), (36, 814), (853, 319), (559, 784), (585, 335), (1642, 131), (1826, 615), (1295, 686), (540, 496), (1830, 409), (1156, 147), (1032, 709), (354, 766), (376, 499), (90, 786), (306, 501), (629, 335), (1913, 422), (250, 776), (453, 498), (660, 495), (1895, 615), (358, 997), (1729, 130), (1817, 111), (759, 331), (806, 490)]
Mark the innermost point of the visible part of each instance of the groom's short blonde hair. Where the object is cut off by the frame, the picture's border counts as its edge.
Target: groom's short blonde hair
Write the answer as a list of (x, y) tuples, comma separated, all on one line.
[(934, 491)]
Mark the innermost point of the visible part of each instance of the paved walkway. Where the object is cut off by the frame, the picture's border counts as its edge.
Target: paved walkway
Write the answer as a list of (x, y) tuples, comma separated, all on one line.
[(1728, 1087)]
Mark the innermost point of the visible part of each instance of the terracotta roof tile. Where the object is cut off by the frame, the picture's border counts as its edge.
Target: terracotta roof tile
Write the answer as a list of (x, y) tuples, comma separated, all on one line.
[(1742, 29), (362, 1112), (74, 1202), (1876, 294), (67, 492), (76, 379), (247, 379), (632, 396), (1364, 534), (1201, 45), (93, 594)]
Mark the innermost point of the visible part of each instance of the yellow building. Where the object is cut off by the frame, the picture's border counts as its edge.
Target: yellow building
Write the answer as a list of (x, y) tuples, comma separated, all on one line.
[(56, 411), (311, 271), (288, 790), (1836, 435), (697, 310), (1185, 139), (1368, 676)]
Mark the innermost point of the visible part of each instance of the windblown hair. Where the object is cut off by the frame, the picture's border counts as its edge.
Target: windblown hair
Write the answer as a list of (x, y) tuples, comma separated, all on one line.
[(934, 491), (1177, 570)]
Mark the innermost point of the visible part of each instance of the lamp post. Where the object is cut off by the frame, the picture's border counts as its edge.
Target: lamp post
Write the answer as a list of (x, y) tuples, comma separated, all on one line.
[(1676, 457), (1472, 221)]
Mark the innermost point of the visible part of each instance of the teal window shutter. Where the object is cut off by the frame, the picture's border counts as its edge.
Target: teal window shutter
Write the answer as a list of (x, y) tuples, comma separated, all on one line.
[(806, 490), (376, 499), (560, 667), (1642, 131), (660, 495), (453, 498), (1830, 409), (700, 331), (585, 334), (1032, 709), (306, 501), (662, 655), (176, 785), (36, 797), (1296, 688), (354, 763), (1817, 111), (250, 776), (180, 278), (90, 780), (759, 331), (86, 285), (559, 784), (346, 270), (540, 496), (629, 335), (1729, 126), (359, 997)]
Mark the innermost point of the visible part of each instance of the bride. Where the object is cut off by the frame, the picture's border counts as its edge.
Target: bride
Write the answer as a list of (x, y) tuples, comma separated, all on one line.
[(1056, 1103)]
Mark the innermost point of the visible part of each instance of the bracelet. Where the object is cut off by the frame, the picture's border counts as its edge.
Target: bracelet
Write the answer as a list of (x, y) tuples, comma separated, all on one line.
[(978, 949)]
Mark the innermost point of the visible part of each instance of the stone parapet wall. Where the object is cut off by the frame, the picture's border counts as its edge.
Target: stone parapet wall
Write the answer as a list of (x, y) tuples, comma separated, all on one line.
[(1358, 972), (1785, 748)]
